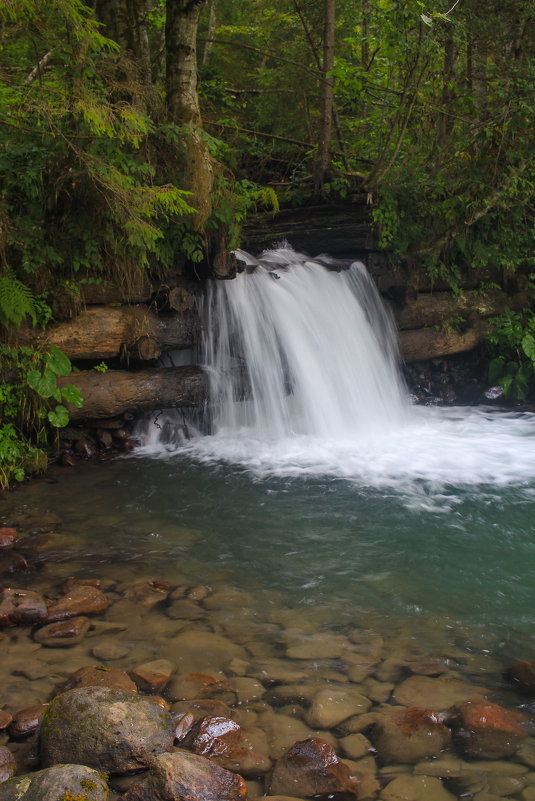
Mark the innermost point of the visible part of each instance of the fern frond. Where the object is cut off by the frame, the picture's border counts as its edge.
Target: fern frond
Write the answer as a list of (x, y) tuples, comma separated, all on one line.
[(16, 302)]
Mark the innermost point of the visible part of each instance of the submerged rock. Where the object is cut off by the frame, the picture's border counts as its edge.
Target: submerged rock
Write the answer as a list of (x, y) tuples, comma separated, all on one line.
[(409, 735), (8, 766), (189, 777), (489, 731), (26, 720), (82, 599), (21, 608), (105, 729), (59, 783), (8, 537), (63, 634), (241, 749), (99, 676), (438, 694), (522, 674), (153, 676), (312, 768)]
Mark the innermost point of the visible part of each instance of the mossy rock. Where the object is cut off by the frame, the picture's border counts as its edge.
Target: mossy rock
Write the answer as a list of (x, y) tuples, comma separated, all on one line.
[(59, 783), (106, 729)]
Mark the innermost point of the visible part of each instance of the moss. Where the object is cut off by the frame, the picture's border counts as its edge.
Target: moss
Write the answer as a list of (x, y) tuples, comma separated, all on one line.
[(88, 785)]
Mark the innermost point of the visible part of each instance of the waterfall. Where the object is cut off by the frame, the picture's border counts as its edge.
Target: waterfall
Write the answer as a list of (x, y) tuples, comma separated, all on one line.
[(299, 346)]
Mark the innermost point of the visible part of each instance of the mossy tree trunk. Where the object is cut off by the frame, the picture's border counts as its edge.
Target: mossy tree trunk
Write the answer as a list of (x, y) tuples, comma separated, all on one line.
[(182, 18)]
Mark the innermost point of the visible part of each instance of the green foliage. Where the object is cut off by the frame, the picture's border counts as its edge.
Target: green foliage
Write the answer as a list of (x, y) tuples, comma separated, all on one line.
[(514, 342), (30, 397)]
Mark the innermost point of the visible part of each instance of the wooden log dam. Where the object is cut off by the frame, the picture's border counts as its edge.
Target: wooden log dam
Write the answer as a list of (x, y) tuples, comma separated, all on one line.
[(131, 330)]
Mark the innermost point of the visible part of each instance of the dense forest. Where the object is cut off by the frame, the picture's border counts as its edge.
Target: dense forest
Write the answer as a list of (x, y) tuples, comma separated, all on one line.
[(137, 135)]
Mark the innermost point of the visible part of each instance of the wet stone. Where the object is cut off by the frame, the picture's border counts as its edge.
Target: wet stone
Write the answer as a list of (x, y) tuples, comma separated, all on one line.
[(202, 650), (487, 730), (109, 650), (59, 783), (153, 676), (105, 729), (200, 685), (5, 719), (8, 537), (187, 776), (313, 767), (201, 708), (21, 607), (331, 706), (355, 746), (318, 646), (8, 766), (409, 735), (26, 721), (435, 693), (522, 674), (416, 788), (82, 599), (185, 609), (109, 677), (64, 634), (231, 746)]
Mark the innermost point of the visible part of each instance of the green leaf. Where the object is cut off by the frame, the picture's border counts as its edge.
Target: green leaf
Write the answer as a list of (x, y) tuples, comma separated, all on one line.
[(427, 20), (58, 362), (59, 417), (72, 394), (528, 346)]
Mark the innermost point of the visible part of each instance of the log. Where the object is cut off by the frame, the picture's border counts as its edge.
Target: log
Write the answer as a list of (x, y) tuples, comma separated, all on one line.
[(118, 391), (429, 343), (440, 307), (105, 332)]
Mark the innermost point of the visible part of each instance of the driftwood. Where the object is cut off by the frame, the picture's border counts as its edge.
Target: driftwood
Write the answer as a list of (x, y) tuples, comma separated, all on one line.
[(439, 308), (105, 332), (118, 391), (429, 343)]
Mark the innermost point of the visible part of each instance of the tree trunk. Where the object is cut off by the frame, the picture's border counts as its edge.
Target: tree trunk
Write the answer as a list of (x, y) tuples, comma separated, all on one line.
[(440, 307), (212, 23), (104, 332), (118, 391), (327, 93), (183, 102), (430, 343)]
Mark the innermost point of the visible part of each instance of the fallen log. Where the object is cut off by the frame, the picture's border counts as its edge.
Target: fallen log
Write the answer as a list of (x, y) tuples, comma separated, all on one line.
[(105, 332), (429, 343), (118, 391), (442, 307)]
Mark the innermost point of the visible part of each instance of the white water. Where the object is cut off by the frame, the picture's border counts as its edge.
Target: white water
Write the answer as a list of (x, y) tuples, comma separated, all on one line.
[(325, 396)]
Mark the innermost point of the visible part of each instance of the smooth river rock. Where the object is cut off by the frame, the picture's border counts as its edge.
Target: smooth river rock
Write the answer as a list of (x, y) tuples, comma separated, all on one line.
[(58, 783), (105, 729), (312, 768), (489, 731), (436, 694), (409, 735), (64, 633), (331, 706), (21, 607), (82, 599), (188, 777)]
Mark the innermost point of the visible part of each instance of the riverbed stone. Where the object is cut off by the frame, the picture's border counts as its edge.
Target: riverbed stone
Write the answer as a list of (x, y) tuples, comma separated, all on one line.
[(355, 746), (408, 735), (5, 719), (82, 599), (182, 775), (201, 708), (246, 689), (8, 537), (488, 731), (58, 783), (25, 721), (200, 651), (321, 645), (64, 633), (331, 706), (152, 676), (185, 609), (435, 693), (522, 674), (21, 607), (277, 671), (243, 750), (8, 766), (108, 650), (312, 767), (100, 676), (416, 788), (283, 731), (188, 686), (106, 729)]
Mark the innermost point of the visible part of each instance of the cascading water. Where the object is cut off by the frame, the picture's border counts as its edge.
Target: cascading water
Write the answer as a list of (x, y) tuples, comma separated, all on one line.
[(305, 382), (314, 347)]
